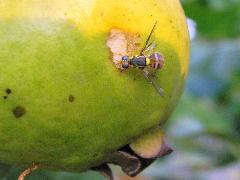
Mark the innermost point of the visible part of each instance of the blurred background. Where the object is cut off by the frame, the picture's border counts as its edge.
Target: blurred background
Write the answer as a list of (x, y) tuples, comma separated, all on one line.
[(204, 130)]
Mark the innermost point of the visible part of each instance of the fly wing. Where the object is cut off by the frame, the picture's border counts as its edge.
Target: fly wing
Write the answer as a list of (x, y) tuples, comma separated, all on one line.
[(149, 48), (151, 71), (148, 39), (153, 82)]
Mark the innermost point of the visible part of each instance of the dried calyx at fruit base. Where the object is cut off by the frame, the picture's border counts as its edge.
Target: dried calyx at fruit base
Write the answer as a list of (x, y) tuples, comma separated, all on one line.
[(134, 158)]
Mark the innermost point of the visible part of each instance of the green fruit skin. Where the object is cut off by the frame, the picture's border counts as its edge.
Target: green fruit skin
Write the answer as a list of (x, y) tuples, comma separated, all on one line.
[(43, 62)]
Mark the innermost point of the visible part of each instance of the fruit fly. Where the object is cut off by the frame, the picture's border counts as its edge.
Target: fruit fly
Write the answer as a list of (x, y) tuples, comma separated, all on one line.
[(155, 61)]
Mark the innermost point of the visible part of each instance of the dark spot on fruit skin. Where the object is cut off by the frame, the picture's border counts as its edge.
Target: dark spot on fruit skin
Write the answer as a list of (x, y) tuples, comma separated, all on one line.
[(19, 111), (71, 98), (8, 91), (4, 97)]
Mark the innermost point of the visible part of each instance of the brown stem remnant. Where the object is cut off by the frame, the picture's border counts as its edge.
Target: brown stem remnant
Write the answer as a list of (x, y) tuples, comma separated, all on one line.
[(135, 157), (28, 171), (129, 163)]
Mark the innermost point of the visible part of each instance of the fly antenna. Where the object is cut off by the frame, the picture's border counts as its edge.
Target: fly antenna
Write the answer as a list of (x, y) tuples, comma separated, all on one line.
[(147, 41)]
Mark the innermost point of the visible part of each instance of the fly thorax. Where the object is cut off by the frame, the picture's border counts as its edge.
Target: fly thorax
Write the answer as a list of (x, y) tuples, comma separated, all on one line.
[(138, 61)]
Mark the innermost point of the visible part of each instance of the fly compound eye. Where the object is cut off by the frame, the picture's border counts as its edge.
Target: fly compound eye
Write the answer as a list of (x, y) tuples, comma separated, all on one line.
[(125, 66), (125, 58)]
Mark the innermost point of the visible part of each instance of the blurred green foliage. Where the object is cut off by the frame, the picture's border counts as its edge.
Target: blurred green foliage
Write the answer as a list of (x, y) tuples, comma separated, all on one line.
[(215, 18)]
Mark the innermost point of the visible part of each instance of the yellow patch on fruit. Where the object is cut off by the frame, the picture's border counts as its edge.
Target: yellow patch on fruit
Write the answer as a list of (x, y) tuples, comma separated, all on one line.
[(96, 16)]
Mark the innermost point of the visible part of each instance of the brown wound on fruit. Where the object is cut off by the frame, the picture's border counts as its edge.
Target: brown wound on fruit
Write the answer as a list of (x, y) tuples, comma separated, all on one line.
[(19, 111), (121, 44)]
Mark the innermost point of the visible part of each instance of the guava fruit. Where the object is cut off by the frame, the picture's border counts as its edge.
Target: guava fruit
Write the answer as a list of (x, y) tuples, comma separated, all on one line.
[(65, 105)]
